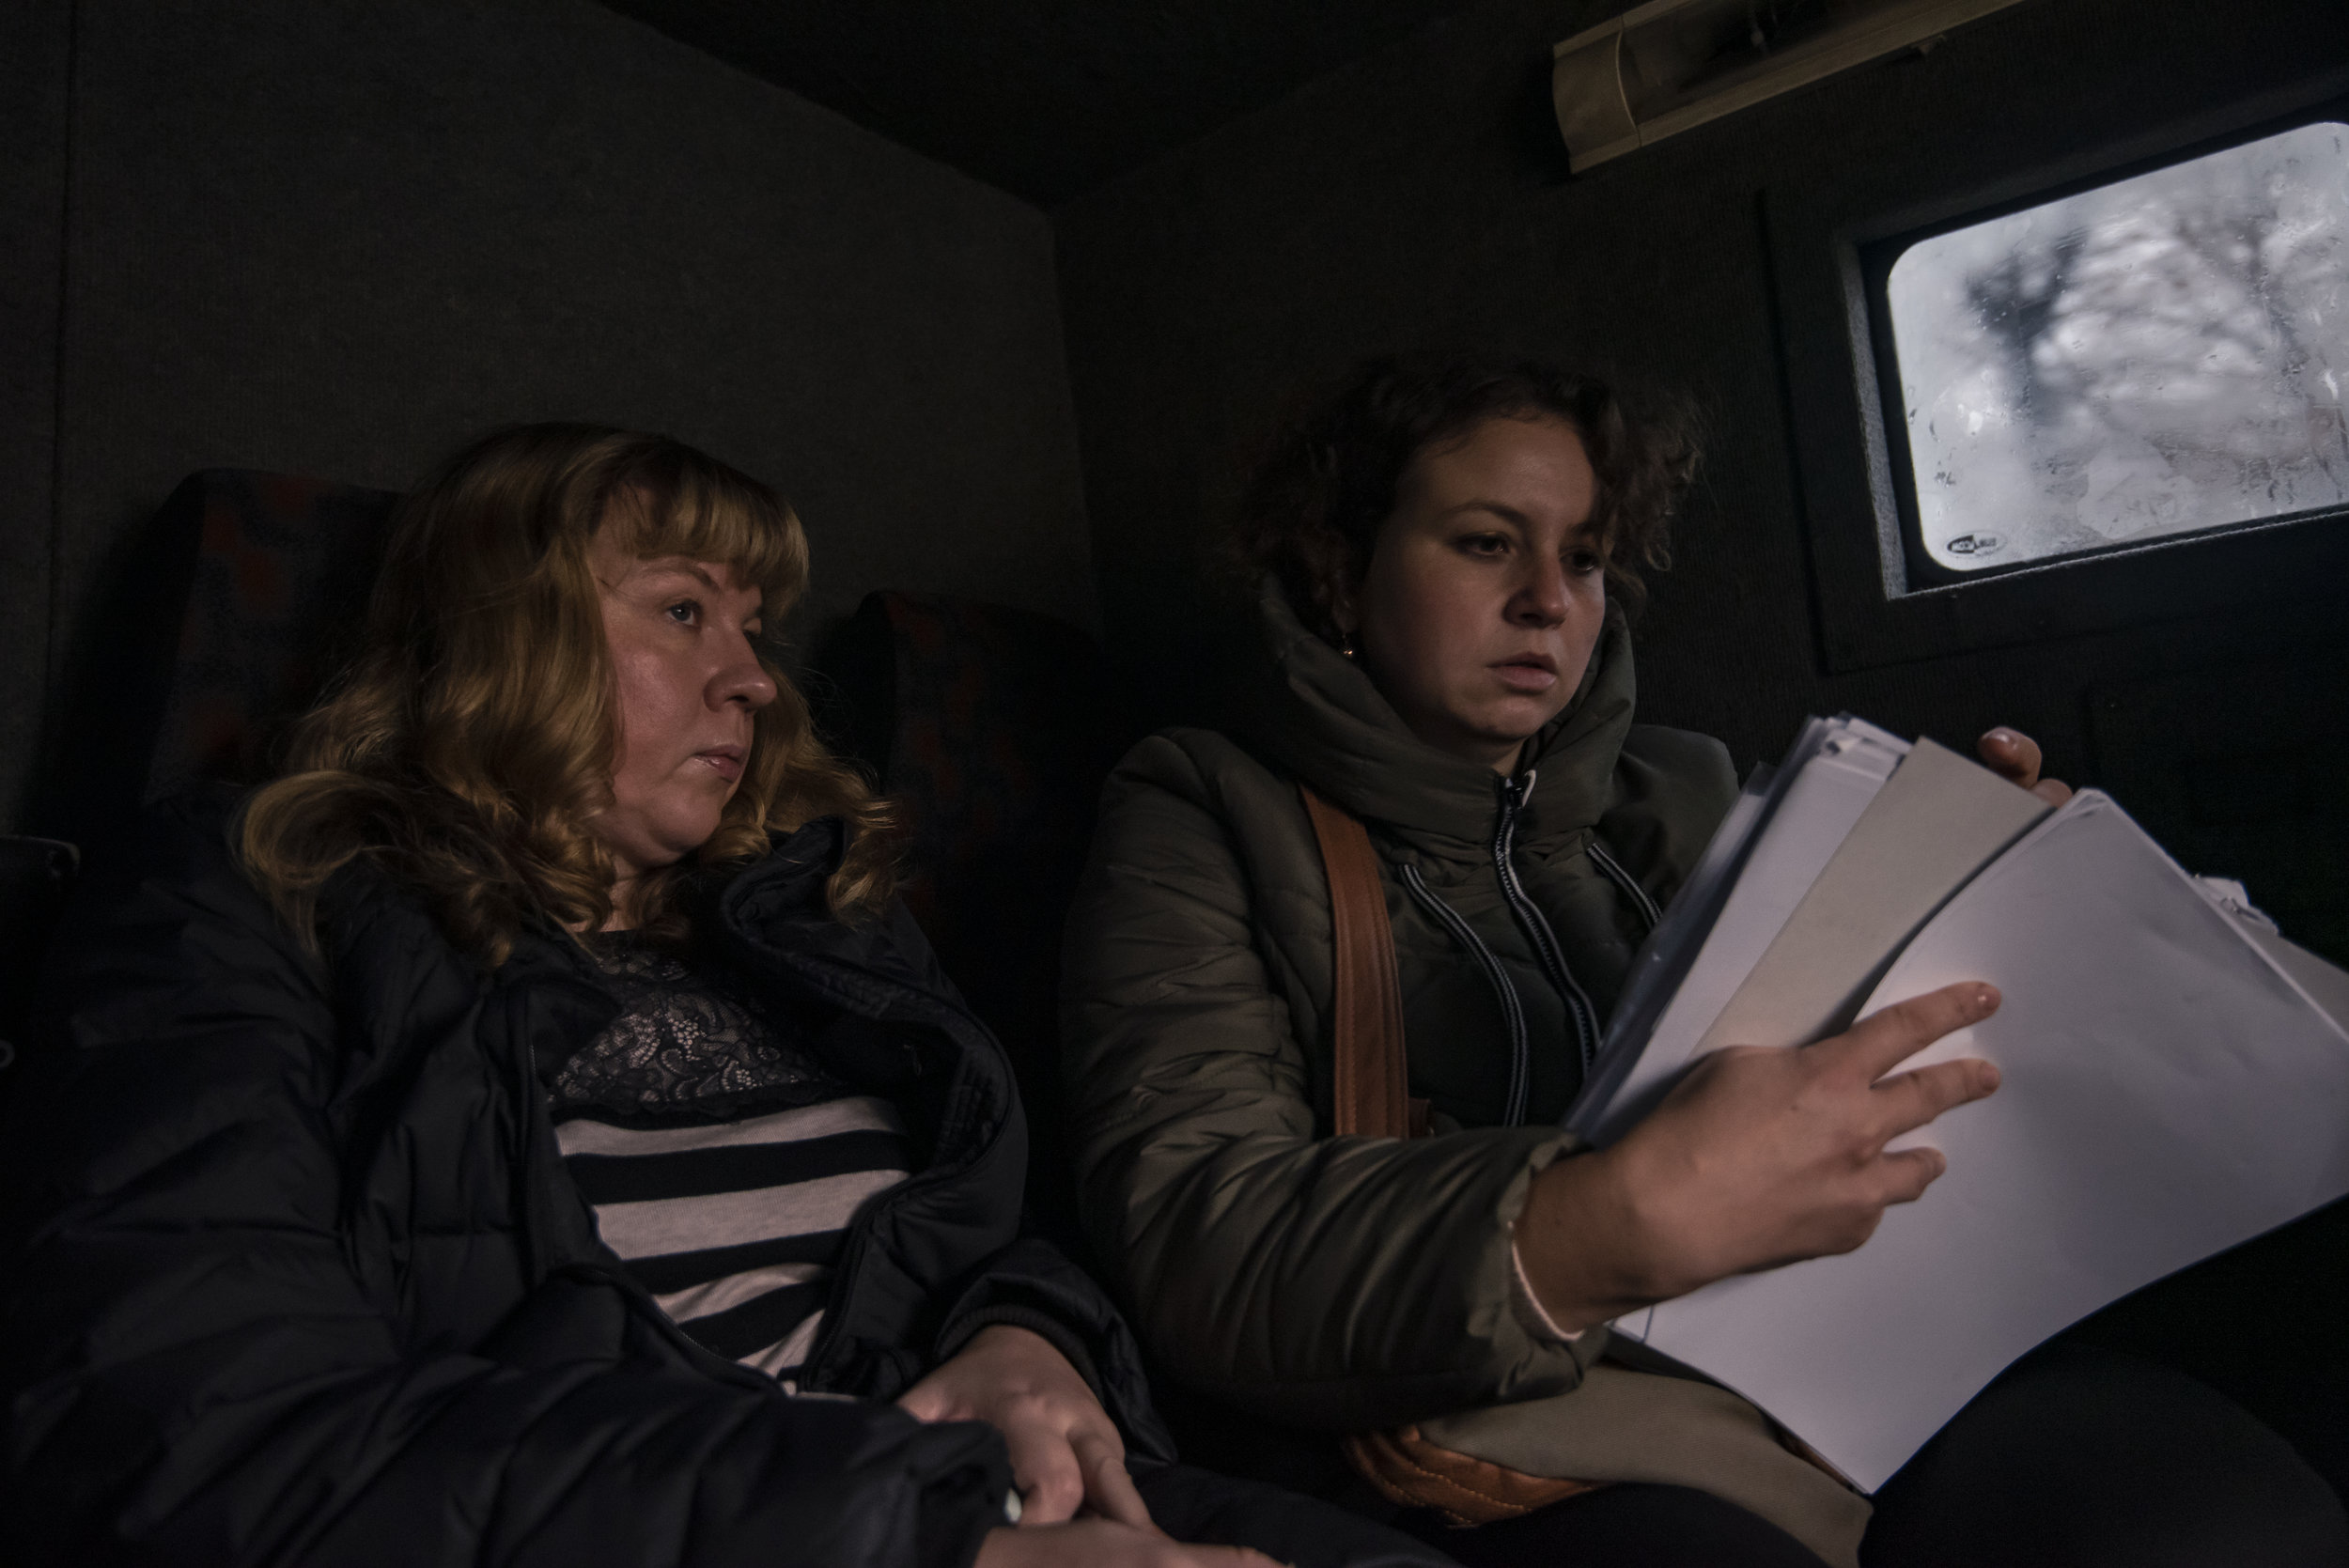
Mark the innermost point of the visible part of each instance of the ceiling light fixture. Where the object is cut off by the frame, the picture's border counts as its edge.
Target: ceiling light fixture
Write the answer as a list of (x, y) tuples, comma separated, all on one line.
[(1670, 65)]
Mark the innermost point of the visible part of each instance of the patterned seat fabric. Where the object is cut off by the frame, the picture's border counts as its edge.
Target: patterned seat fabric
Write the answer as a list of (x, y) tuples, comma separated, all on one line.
[(237, 604), (282, 568), (231, 609), (992, 728)]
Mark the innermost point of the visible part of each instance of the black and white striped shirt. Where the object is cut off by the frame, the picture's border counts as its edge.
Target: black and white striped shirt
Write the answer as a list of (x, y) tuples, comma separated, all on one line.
[(723, 1163)]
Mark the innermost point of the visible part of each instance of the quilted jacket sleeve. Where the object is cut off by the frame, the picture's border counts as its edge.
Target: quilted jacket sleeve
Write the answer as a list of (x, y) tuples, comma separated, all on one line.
[(199, 1366), (1338, 1283), (1032, 1285)]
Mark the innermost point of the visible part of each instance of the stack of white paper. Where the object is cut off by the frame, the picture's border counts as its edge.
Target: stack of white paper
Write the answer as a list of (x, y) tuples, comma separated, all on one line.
[(2175, 1081)]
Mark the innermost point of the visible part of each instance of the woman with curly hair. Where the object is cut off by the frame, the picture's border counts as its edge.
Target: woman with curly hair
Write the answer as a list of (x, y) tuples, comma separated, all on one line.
[(1446, 550), (530, 1130)]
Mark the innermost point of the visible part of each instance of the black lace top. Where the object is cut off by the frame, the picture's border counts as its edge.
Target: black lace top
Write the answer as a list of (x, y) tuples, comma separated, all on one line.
[(684, 1043)]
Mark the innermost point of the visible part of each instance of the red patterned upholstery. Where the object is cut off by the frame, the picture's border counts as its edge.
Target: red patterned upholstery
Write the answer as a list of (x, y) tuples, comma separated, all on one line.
[(282, 570), (230, 610), (993, 729)]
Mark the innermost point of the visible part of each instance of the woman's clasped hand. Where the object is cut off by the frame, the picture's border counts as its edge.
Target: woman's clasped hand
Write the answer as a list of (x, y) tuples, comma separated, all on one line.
[(1760, 1156), (1066, 1453), (1067, 1458)]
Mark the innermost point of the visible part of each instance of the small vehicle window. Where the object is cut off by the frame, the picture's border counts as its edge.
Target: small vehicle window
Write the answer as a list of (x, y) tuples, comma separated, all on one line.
[(2160, 355)]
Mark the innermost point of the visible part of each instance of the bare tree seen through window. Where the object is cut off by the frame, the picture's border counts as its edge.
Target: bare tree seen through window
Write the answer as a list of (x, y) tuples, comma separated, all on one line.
[(2161, 355)]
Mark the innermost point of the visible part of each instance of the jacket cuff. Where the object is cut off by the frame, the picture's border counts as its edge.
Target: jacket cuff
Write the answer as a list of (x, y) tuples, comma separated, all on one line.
[(952, 1524), (1059, 1335)]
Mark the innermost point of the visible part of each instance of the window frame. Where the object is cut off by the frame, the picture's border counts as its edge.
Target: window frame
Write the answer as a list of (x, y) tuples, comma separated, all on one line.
[(1877, 261), (1831, 242)]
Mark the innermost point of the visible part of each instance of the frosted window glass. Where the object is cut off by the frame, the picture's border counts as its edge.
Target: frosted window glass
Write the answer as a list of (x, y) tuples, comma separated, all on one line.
[(2160, 355)]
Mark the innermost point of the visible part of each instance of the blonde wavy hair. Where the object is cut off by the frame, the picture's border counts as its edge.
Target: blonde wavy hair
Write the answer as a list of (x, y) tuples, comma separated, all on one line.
[(468, 747)]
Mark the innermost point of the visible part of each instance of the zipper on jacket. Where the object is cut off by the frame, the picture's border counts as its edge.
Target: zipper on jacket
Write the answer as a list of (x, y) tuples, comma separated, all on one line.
[(1511, 1010), (1630, 886), (1514, 794)]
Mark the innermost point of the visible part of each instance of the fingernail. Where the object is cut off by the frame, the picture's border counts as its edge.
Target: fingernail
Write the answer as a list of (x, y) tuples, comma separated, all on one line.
[(1989, 1076), (1986, 1000)]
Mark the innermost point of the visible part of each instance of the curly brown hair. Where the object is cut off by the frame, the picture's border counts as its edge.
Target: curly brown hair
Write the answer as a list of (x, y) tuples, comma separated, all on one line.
[(1327, 482), (471, 743)]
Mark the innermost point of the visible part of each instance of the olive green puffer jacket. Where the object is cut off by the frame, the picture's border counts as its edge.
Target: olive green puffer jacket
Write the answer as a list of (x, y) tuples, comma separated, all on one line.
[(1344, 1283)]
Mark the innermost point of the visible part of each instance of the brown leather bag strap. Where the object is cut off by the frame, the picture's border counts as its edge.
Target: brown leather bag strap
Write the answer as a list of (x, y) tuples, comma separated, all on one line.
[(1370, 1081)]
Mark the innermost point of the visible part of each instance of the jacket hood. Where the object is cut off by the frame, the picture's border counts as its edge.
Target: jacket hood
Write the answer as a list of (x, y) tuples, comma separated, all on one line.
[(1312, 712)]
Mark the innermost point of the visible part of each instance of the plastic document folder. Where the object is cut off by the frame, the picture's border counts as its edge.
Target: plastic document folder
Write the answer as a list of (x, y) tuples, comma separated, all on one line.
[(2176, 1074)]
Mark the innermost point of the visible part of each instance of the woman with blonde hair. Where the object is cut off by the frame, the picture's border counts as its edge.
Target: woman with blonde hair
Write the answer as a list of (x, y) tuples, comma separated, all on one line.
[(530, 1130)]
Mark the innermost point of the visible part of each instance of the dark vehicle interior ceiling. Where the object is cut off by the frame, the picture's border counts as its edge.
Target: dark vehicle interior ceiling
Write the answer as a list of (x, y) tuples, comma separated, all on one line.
[(1046, 99)]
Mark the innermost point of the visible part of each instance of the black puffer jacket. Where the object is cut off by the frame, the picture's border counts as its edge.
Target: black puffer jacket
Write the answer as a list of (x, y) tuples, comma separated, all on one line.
[(290, 1270)]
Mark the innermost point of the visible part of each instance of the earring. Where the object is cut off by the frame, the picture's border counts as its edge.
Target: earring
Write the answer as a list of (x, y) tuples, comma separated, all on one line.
[(1346, 647)]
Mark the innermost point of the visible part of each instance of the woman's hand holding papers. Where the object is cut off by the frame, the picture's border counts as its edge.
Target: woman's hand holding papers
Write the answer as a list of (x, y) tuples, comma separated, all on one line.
[(1758, 1158), (2013, 754)]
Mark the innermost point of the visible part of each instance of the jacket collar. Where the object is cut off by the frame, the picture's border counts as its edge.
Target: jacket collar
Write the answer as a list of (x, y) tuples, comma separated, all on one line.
[(773, 922), (1314, 712), (773, 917)]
